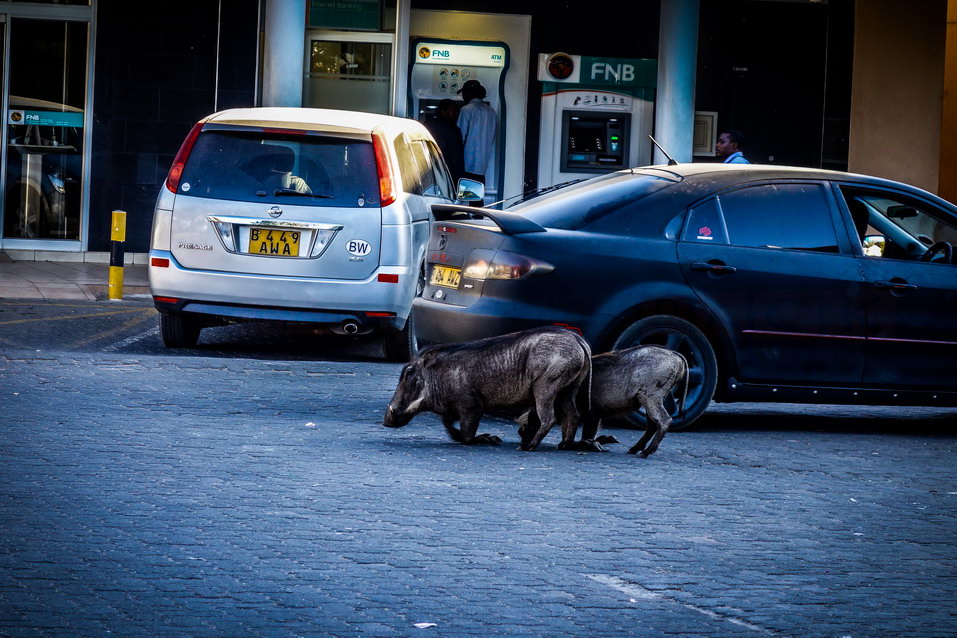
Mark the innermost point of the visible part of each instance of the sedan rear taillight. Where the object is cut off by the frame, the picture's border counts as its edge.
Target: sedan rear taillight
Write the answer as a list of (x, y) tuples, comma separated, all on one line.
[(179, 162), (487, 264)]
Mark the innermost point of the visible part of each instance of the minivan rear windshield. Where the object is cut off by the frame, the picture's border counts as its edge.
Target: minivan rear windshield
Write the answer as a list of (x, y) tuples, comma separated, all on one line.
[(256, 166)]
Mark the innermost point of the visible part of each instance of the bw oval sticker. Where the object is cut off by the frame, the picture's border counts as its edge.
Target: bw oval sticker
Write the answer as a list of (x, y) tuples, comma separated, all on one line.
[(358, 247)]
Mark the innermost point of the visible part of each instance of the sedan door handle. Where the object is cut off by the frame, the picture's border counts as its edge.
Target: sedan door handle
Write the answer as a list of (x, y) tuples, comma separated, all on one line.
[(895, 284), (712, 266)]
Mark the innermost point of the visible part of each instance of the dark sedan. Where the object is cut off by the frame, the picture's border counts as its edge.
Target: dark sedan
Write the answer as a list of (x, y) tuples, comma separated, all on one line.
[(776, 283)]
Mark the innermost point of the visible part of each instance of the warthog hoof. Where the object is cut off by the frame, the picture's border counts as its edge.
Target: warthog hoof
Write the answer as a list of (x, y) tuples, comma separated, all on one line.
[(486, 439), (590, 445), (605, 439)]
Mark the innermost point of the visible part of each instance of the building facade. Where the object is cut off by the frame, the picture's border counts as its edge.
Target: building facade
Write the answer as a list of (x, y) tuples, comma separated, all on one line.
[(100, 93)]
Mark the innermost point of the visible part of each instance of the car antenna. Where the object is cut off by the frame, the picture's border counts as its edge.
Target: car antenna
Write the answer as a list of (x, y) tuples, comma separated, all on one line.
[(671, 160)]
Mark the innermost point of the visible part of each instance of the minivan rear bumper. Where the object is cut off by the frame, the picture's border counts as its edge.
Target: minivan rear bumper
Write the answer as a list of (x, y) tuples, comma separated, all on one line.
[(383, 299)]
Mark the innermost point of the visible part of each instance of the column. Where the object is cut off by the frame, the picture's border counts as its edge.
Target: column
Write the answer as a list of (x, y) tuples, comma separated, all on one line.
[(948, 129), (284, 52), (677, 65)]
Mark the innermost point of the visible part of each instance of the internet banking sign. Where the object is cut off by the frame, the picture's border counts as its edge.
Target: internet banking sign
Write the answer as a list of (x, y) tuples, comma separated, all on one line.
[(46, 118), (459, 54)]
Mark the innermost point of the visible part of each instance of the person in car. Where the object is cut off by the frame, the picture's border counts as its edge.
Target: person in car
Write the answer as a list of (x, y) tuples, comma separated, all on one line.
[(273, 170)]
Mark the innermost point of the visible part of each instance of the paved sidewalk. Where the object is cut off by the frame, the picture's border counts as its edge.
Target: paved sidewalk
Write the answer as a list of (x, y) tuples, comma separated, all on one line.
[(66, 280)]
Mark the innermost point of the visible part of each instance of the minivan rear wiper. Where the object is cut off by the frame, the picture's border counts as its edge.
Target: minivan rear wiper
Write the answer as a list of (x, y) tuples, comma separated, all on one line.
[(292, 191)]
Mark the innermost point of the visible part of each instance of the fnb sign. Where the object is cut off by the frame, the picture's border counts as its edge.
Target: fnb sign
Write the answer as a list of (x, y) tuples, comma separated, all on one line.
[(614, 73), (437, 52)]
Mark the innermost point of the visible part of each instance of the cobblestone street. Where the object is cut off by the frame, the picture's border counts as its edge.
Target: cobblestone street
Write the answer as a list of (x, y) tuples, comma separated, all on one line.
[(189, 495)]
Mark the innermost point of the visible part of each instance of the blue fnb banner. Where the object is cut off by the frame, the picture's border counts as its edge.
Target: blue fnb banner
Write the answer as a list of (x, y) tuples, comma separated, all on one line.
[(46, 118)]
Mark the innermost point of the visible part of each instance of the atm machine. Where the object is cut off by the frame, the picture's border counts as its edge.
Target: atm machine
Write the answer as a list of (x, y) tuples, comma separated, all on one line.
[(438, 70), (597, 114)]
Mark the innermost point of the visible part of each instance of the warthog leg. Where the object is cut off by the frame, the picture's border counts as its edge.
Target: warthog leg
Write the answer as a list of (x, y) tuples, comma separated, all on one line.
[(590, 426), (659, 420), (529, 428), (568, 415), (545, 408), (467, 435)]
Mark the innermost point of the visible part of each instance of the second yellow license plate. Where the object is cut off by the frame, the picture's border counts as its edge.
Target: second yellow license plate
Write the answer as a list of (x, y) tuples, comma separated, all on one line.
[(277, 243), (445, 276)]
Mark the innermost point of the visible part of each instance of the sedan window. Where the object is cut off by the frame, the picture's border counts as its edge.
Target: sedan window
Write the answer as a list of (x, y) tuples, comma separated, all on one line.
[(705, 224), (787, 216), (897, 227)]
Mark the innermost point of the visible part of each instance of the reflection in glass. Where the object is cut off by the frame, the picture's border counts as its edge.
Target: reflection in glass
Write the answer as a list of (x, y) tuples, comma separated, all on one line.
[(45, 129), (349, 75)]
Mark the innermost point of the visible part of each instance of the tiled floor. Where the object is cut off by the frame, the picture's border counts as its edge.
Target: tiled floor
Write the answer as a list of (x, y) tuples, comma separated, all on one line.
[(66, 280)]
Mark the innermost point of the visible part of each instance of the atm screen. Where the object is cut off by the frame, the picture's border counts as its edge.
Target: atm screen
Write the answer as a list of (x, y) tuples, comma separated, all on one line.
[(586, 137), (594, 142)]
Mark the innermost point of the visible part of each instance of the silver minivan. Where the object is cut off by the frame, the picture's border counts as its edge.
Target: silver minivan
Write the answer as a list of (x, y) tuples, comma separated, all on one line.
[(299, 215)]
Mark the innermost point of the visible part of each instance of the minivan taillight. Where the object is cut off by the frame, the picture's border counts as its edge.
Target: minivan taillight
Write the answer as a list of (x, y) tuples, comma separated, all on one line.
[(176, 170), (386, 185)]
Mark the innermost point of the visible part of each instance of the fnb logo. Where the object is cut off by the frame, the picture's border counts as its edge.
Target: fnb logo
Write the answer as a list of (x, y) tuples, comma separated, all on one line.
[(425, 52), (441, 53)]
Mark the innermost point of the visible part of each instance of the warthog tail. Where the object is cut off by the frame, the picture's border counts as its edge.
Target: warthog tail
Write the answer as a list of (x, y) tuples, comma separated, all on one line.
[(685, 382), (587, 349)]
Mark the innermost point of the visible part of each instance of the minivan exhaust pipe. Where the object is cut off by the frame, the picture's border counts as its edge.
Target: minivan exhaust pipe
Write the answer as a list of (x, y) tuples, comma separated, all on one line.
[(350, 327)]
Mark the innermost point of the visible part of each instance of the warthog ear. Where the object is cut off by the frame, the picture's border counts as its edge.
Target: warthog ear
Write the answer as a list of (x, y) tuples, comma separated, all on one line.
[(429, 356)]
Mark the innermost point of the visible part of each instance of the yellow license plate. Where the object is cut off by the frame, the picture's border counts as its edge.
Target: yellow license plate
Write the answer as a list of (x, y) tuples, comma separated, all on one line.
[(445, 276), (277, 243)]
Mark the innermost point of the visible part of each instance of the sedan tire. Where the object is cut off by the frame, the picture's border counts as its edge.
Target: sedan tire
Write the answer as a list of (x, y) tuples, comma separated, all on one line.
[(684, 337)]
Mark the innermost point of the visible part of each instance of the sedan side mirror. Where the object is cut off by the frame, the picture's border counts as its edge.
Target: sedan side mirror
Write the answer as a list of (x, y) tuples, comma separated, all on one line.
[(470, 190), (874, 245)]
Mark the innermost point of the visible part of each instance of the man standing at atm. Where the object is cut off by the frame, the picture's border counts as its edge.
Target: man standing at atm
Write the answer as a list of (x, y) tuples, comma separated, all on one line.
[(477, 121)]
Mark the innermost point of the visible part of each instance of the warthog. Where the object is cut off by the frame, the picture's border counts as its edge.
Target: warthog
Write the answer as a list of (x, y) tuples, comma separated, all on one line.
[(624, 381), (541, 369)]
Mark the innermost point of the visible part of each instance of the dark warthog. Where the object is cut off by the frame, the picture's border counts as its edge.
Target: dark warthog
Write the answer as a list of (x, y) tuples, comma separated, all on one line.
[(541, 369), (625, 380)]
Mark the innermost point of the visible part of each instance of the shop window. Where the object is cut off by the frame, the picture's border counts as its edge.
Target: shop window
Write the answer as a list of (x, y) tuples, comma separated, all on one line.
[(349, 74), (44, 155)]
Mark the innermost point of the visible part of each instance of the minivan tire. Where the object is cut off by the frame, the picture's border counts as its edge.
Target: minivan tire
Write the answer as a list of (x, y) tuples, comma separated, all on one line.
[(400, 345), (179, 330), (682, 336)]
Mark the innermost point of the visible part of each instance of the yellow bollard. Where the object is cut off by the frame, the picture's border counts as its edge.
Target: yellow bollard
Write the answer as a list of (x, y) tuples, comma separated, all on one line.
[(117, 240)]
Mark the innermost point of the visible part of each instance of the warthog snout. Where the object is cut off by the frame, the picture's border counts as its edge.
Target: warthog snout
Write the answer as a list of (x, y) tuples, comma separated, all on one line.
[(393, 419)]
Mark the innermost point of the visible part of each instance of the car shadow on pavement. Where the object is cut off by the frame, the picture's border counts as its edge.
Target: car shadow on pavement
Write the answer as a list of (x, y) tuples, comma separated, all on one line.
[(285, 342), (904, 420)]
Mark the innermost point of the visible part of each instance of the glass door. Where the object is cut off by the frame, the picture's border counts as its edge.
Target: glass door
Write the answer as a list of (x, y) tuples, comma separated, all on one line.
[(46, 101), (350, 71)]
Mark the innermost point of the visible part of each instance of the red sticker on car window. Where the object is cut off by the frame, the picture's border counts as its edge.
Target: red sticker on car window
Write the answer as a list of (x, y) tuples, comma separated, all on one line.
[(704, 233)]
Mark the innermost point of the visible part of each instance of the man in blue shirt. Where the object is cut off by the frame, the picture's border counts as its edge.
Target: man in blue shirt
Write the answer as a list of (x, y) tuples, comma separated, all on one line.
[(477, 121), (728, 147)]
